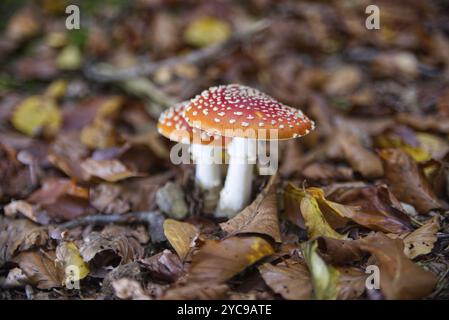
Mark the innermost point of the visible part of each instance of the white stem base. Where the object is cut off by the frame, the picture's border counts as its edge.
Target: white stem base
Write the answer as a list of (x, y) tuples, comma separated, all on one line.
[(208, 171), (237, 190)]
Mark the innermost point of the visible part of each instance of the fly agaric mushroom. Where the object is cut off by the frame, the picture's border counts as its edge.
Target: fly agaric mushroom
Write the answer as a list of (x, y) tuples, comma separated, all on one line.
[(246, 115), (172, 125)]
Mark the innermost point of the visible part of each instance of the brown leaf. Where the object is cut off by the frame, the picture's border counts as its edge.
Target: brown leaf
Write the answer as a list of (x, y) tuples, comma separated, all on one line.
[(339, 251), (408, 182), (374, 207), (218, 261), (165, 266), (360, 158), (351, 284), (40, 269), (110, 170), (261, 216), (181, 235), (420, 241), (19, 235), (400, 278), (203, 291), (424, 123), (110, 249), (290, 279)]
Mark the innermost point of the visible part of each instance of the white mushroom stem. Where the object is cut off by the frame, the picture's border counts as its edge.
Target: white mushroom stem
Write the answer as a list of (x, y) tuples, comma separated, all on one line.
[(237, 189), (208, 160)]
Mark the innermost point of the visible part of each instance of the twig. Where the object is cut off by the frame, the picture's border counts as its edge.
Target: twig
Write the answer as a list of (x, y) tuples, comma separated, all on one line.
[(107, 73), (106, 219)]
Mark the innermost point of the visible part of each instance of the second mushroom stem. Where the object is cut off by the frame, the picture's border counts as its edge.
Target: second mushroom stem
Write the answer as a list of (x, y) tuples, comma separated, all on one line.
[(208, 167), (237, 189)]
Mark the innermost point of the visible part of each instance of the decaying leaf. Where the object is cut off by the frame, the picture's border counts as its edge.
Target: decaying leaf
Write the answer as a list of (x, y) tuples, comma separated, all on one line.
[(218, 261), (290, 279), (19, 235), (37, 114), (69, 259), (407, 181), (420, 241), (325, 278), (351, 284), (400, 278), (40, 268), (339, 251), (261, 216), (181, 235), (165, 266), (110, 170)]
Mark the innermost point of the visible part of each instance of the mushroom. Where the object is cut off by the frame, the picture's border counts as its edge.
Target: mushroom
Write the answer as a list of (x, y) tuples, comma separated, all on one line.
[(247, 115), (203, 147)]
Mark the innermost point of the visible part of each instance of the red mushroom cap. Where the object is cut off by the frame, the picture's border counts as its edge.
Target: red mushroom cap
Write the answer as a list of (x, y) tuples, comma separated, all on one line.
[(230, 110), (173, 126)]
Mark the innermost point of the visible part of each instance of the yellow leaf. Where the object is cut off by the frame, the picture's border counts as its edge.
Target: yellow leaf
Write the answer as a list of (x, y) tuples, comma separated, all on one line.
[(325, 278), (181, 236), (72, 265), (99, 134), (314, 220), (206, 31), (36, 114), (418, 153), (56, 89), (69, 58)]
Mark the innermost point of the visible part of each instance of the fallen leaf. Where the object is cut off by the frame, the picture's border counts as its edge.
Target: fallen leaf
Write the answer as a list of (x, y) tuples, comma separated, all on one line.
[(339, 252), (206, 31), (69, 259), (325, 278), (109, 170), (217, 261), (181, 235), (27, 210), (400, 278), (129, 289), (260, 217), (290, 279), (165, 266), (40, 269), (407, 182), (193, 291), (19, 235), (420, 241), (351, 284), (37, 114)]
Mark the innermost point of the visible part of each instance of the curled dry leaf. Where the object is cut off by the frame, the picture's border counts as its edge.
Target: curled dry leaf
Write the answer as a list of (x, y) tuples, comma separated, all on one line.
[(373, 207), (290, 279), (181, 235), (407, 182), (360, 158), (165, 266), (325, 278), (102, 250), (21, 207), (217, 261), (261, 216), (400, 278), (339, 251), (19, 235), (420, 241), (40, 269), (68, 259), (111, 170)]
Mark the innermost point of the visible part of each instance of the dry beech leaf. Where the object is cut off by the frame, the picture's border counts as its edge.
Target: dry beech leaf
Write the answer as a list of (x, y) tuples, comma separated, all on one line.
[(101, 250), (360, 158), (407, 181), (261, 216), (315, 222), (193, 291), (339, 251), (351, 284), (400, 278), (290, 279), (111, 170), (420, 241), (19, 235), (27, 210), (68, 258), (181, 235), (373, 207), (217, 261), (325, 278), (165, 266), (40, 269)]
